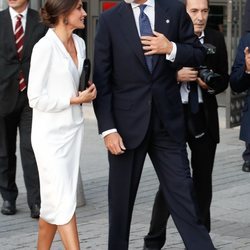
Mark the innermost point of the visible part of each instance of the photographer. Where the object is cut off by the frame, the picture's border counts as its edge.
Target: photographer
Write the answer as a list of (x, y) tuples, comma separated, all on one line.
[(198, 88)]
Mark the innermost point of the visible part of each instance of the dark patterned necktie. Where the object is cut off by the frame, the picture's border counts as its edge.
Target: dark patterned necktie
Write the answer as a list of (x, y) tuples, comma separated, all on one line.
[(145, 30), (193, 98), (193, 94), (19, 37)]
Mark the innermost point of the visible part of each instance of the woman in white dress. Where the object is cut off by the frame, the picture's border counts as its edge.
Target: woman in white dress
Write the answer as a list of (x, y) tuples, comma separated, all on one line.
[(57, 126)]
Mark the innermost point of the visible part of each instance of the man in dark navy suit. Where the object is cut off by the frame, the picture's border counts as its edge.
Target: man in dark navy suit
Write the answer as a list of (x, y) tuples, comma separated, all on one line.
[(202, 127), (240, 82), (139, 110), (20, 29), (246, 29)]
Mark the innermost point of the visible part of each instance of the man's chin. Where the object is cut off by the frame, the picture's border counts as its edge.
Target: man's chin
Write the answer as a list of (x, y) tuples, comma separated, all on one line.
[(11, 2), (199, 30), (12, 6)]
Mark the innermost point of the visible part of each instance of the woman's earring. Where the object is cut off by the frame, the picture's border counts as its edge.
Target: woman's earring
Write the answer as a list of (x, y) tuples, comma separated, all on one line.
[(65, 21)]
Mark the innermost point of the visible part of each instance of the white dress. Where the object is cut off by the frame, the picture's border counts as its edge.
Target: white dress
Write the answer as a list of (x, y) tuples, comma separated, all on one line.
[(57, 126)]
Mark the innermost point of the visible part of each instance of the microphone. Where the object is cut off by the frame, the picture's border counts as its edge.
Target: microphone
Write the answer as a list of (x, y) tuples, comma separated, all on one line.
[(84, 78)]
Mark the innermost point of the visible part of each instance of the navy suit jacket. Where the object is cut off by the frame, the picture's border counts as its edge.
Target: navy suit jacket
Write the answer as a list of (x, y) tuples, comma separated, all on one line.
[(240, 82), (126, 88), (9, 62)]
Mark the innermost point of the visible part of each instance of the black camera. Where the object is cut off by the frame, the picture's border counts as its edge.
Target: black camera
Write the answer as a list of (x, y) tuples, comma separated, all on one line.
[(207, 75)]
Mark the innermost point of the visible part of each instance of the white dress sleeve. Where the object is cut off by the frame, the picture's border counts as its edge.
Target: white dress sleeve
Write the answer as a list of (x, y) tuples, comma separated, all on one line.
[(40, 71)]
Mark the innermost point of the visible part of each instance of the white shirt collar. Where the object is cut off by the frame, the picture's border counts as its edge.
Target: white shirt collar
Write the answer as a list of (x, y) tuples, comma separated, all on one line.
[(150, 3), (13, 13), (202, 35)]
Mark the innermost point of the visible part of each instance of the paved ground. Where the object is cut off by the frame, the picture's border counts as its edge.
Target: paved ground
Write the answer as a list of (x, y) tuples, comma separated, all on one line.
[(230, 207)]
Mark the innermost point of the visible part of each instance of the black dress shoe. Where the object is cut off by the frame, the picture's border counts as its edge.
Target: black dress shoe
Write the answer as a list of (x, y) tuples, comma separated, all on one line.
[(8, 208), (246, 166), (150, 248), (35, 211)]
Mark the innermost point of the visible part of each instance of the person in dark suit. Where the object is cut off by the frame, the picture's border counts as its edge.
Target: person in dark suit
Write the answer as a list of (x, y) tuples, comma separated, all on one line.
[(18, 34), (202, 128), (139, 111), (246, 29), (240, 82)]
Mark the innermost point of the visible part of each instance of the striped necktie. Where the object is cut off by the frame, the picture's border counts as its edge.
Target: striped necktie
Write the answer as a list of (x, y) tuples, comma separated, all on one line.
[(19, 37), (146, 30)]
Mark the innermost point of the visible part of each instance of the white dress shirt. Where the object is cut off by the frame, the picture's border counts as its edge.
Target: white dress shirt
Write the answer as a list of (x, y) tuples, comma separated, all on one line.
[(150, 12), (13, 15)]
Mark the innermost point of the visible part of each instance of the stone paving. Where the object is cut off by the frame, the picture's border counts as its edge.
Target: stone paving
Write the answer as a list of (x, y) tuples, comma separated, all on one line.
[(230, 206)]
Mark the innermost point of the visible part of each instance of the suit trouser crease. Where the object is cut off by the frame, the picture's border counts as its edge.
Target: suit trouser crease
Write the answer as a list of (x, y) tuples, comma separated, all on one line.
[(171, 164), (202, 148)]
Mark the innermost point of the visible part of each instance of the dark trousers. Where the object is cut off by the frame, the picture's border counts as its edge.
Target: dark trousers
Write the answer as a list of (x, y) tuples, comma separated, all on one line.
[(170, 161), (246, 153), (20, 118), (202, 160)]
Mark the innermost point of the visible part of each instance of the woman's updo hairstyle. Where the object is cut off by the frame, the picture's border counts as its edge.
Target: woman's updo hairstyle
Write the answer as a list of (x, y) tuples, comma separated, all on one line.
[(53, 9)]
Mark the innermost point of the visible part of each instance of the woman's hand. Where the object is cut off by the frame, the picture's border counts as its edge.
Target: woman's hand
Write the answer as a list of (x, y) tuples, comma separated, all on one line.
[(85, 96), (247, 58)]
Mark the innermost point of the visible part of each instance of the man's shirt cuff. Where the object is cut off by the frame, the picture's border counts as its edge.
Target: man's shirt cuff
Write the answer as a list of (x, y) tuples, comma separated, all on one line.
[(107, 132), (171, 57)]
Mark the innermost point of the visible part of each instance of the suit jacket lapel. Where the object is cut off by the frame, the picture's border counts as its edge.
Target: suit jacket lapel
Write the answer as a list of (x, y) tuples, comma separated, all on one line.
[(207, 37), (30, 23), (129, 29), (161, 25), (9, 32)]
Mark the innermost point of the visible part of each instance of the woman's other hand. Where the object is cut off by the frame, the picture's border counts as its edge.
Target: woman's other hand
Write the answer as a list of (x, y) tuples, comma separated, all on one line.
[(85, 96)]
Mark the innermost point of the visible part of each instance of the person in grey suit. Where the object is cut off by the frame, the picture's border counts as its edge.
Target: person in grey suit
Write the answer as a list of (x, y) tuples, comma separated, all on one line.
[(15, 112)]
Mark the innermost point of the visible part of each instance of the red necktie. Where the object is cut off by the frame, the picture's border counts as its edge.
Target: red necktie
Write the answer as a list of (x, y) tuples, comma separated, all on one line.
[(19, 36)]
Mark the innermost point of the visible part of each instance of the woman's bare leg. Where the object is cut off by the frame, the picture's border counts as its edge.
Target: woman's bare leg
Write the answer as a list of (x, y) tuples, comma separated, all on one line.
[(69, 235), (46, 235)]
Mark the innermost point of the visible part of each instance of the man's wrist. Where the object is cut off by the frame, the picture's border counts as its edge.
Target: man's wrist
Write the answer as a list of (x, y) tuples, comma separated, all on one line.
[(171, 57), (109, 131)]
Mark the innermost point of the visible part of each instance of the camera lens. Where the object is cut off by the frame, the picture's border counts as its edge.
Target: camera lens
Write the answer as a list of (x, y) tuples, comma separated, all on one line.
[(209, 77)]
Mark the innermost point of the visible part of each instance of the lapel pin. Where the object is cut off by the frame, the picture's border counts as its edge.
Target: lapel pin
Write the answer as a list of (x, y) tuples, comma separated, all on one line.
[(167, 21)]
